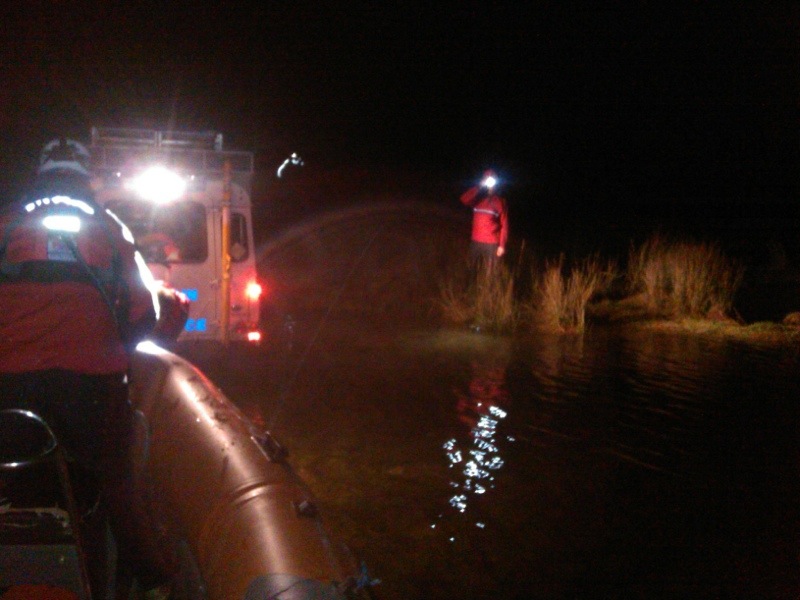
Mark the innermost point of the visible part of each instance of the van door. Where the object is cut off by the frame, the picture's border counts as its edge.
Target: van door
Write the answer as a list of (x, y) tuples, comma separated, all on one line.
[(179, 243), (200, 282)]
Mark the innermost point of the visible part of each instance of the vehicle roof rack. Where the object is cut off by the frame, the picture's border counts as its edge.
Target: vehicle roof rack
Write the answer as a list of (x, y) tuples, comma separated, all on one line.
[(199, 140), (117, 148)]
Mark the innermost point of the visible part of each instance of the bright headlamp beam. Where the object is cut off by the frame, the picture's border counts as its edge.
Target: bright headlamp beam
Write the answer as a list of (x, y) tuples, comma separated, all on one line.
[(158, 184), (489, 182), (68, 223)]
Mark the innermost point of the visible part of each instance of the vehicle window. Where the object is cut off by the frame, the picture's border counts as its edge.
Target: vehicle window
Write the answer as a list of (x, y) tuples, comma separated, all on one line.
[(166, 233), (239, 248)]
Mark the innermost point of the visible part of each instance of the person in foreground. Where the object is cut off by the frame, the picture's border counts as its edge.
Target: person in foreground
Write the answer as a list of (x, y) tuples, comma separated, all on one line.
[(75, 299)]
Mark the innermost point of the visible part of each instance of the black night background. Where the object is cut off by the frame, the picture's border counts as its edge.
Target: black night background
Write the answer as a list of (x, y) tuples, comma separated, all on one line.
[(598, 113)]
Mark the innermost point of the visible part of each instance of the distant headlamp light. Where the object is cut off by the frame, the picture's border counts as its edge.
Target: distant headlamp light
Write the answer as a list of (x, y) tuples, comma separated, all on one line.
[(158, 184), (294, 159), (489, 182), (67, 223)]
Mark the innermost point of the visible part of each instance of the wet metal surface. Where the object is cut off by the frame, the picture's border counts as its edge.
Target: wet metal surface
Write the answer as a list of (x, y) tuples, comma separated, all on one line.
[(623, 464)]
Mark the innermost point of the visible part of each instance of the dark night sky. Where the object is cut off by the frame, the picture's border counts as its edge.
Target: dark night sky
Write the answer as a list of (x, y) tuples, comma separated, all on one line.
[(615, 108)]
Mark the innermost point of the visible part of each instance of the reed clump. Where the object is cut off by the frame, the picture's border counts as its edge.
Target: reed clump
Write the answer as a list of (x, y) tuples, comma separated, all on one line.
[(682, 278), (495, 307), (676, 279), (483, 298), (561, 295)]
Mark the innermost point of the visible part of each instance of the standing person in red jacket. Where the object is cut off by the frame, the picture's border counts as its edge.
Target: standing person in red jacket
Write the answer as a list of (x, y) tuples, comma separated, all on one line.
[(75, 299), (489, 221)]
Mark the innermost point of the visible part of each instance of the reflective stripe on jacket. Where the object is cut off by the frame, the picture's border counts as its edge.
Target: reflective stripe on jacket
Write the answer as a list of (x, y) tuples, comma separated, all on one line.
[(64, 324)]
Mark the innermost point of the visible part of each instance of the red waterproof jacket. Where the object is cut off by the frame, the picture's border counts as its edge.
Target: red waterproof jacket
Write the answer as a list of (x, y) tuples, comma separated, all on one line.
[(489, 216), (68, 324)]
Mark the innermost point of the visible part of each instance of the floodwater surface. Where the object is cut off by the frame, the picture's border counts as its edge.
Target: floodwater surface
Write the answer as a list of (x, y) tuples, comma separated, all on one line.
[(625, 463)]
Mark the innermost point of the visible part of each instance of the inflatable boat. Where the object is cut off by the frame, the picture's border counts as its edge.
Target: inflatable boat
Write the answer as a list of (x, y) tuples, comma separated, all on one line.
[(243, 525)]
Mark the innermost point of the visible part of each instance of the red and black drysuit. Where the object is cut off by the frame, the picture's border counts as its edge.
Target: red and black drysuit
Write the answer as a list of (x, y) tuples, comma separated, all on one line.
[(489, 222)]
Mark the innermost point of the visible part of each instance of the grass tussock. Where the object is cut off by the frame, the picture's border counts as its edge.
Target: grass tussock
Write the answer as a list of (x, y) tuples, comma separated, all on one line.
[(494, 303), (560, 296), (677, 280), (683, 278), (483, 297)]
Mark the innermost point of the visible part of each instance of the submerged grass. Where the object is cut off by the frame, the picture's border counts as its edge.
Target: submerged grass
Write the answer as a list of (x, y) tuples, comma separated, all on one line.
[(767, 334)]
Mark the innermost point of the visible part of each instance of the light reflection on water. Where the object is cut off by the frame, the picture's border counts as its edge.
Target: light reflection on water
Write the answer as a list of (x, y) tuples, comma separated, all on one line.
[(647, 455), (476, 462)]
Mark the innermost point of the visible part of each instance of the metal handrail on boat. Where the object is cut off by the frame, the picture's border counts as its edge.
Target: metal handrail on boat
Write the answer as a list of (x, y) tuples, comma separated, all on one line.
[(11, 458)]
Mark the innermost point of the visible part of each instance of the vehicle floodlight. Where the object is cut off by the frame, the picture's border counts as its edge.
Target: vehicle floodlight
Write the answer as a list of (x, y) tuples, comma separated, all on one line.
[(158, 184)]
